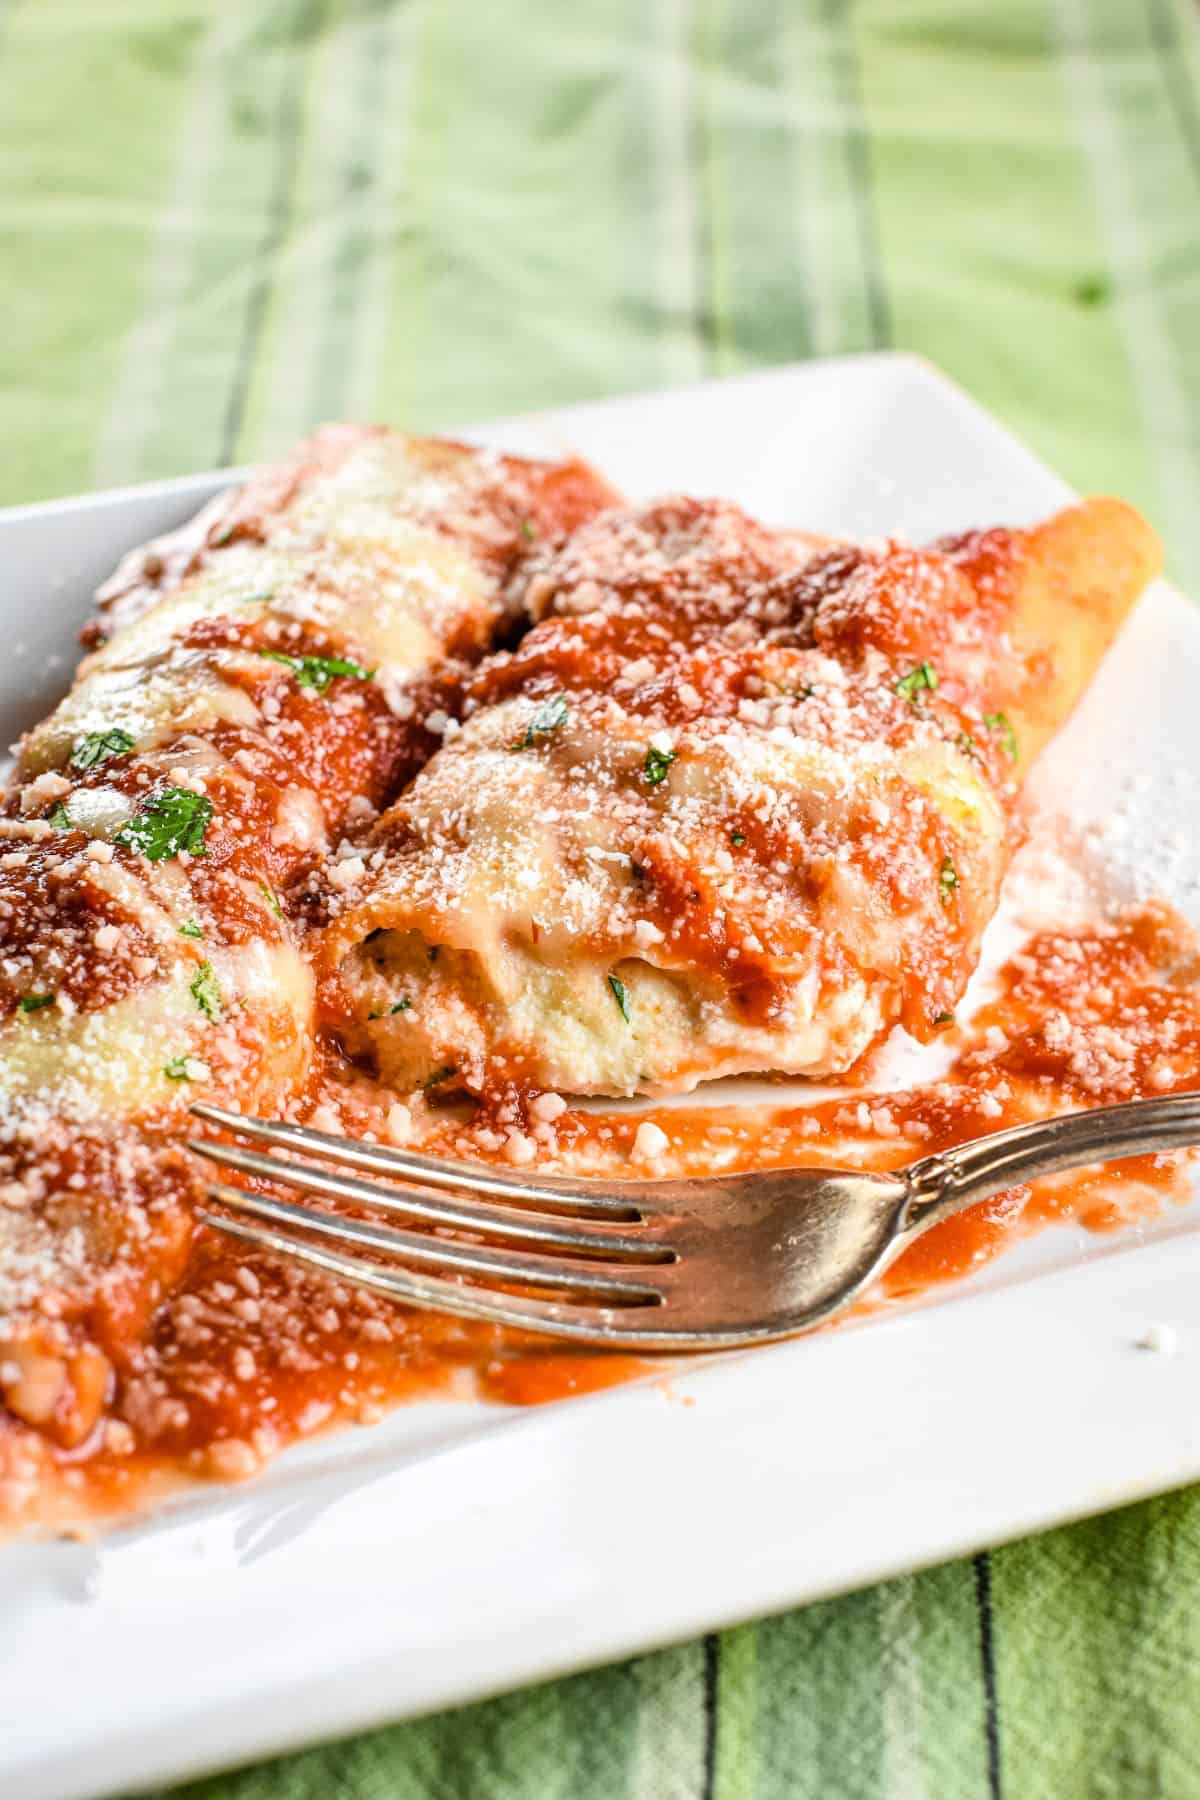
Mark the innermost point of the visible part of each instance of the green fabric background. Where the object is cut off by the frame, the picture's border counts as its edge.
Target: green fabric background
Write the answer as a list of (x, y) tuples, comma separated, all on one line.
[(222, 220)]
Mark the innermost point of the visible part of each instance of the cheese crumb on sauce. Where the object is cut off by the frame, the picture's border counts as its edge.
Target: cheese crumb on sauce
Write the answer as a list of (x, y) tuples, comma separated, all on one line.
[(650, 1142), (547, 1107)]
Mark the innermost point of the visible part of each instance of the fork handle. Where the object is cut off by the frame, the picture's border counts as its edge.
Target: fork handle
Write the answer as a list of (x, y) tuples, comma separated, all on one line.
[(942, 1185)]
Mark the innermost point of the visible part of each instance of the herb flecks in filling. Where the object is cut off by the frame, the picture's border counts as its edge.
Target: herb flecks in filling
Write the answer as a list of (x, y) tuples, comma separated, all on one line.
[(922, 678), (621, 997), (947, 879), (439, 1076), (546, 718), (1001, 724)]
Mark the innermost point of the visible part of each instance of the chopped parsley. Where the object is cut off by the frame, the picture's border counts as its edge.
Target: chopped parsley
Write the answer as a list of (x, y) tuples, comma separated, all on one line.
[(98, 746), (272, 899), (1001, 724), (404, 1005), (657, 764), (944, 1018), (966, 743), (737, 839), (217, 538), (60, 818), (910, 685), (947, 879), (206, 992), (180, 1068), (546, 718), (35, 1002), (317, 672), (172, 820), (620, 996), (191, 928), (528, 530)]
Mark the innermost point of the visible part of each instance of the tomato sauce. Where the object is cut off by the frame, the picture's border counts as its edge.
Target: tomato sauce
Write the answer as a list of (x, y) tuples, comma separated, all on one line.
[(249, 1354), (210, 1357)]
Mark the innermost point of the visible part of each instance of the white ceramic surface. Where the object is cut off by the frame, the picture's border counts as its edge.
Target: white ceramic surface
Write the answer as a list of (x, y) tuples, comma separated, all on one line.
[(455, 1551)]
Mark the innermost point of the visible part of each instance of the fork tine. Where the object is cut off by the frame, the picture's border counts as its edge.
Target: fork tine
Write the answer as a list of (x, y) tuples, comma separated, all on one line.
[(618, 1199), (591, 1324), (505, 1221), (596, 1279)]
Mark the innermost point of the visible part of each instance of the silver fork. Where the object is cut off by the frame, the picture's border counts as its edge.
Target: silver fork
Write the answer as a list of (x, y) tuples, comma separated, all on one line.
[(710, 1262)]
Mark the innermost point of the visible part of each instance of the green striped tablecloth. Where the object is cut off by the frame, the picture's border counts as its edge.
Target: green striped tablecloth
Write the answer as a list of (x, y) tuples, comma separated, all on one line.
[(222, 220)]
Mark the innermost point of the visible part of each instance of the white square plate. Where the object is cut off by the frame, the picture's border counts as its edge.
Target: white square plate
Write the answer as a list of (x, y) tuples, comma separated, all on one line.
[(455, 1551)]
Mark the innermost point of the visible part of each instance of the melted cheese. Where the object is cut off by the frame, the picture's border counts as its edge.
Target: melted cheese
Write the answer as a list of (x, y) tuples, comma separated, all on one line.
[(379, 595), (363, 556), (111, 1062), (154, 705)]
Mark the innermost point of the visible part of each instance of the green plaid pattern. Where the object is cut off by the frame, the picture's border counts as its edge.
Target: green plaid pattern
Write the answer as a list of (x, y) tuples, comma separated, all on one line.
[(223, 220)]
